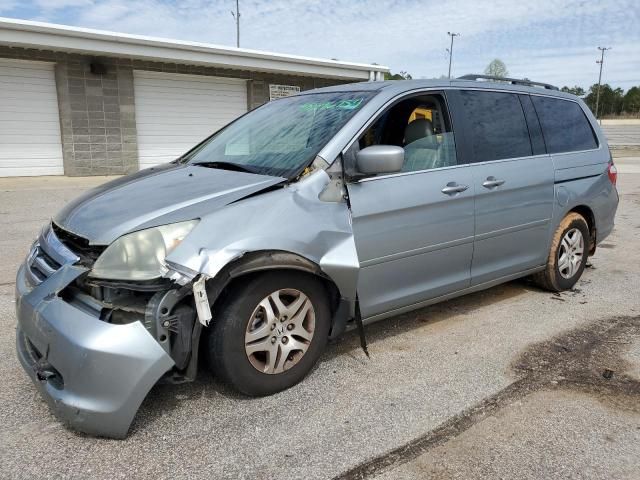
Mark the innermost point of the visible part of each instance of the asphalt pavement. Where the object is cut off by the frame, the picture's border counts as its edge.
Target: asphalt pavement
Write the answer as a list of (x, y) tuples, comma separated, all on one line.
[(512, 382)]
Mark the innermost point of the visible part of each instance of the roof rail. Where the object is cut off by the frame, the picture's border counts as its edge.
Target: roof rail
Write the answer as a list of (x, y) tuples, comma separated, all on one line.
[(513, 81)]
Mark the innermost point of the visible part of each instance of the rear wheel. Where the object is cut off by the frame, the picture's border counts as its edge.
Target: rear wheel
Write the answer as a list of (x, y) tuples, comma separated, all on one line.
[(270, 332), (567, 256)]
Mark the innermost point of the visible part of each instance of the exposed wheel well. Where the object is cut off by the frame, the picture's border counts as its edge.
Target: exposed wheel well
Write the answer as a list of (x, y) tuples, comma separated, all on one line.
[(256, 263), (332, 290), (587, 214)]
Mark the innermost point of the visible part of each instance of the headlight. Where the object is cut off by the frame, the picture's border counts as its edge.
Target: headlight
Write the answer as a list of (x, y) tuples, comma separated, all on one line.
[(140, 255)]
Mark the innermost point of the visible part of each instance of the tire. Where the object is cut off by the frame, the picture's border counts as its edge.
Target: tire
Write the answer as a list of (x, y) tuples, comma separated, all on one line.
[(559, 275), (256, 366)]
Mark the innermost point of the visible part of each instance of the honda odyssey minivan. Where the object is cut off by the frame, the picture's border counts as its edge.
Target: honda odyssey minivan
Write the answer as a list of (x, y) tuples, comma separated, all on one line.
[(305, 217)]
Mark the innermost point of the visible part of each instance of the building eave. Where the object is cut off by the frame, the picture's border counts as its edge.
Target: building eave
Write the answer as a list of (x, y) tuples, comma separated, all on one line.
[(46, 36)]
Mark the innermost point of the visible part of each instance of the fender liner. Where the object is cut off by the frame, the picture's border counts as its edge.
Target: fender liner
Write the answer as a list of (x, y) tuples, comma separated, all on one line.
[(262, 261)]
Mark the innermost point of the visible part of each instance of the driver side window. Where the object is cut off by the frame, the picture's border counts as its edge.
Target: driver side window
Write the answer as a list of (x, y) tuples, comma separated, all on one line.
[(421, 126)]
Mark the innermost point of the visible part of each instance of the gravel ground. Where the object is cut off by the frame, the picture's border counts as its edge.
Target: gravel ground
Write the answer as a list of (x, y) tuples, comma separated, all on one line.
[(427, 369), (550, 434)]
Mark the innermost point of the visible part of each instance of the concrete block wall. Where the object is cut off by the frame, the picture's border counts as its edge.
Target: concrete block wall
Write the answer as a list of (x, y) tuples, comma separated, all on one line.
[(97, 111), (97, 116)]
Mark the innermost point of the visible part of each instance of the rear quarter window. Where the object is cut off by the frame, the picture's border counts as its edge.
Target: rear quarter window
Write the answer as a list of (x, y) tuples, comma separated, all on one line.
[(564, 125)]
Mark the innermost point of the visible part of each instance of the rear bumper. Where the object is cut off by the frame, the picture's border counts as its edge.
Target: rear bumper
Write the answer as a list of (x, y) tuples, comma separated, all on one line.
[(605, 215), (94, 375)]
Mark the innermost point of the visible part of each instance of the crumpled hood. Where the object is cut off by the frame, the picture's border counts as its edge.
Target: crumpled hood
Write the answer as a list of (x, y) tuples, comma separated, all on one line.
[(165, 194)]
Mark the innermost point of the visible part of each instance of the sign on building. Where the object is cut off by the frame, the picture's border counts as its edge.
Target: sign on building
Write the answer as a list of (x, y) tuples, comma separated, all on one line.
[(280, 91)]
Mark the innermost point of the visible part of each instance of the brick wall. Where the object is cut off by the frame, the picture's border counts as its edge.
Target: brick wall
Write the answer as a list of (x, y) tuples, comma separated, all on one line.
[(97, 112)]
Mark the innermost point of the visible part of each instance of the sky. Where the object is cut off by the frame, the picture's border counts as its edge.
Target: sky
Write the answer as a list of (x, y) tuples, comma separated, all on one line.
[(553, 41)]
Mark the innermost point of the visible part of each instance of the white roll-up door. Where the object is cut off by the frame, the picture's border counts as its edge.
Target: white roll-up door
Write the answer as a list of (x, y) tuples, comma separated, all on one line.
[(30, 139), (174, 111)]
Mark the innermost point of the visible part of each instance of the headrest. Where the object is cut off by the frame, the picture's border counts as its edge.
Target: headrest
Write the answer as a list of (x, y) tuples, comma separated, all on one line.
[(419, 128)]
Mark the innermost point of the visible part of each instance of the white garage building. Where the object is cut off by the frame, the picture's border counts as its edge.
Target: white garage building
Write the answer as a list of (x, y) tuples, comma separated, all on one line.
[(85, 102), (30, 140)]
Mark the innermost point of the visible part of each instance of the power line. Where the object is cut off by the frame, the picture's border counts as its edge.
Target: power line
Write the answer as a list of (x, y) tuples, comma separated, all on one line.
[(451, 34)]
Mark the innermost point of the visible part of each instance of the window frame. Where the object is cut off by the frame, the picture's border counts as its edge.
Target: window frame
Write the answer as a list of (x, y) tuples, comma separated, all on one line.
[(458, 126), (464, 147), (538, 144), (442, 91)]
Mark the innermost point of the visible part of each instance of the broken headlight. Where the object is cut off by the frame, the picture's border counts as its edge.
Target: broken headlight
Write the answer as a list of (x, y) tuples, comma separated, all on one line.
[(140, 255)]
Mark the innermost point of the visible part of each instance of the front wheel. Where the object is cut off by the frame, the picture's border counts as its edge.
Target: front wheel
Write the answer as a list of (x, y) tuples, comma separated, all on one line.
[(567, 256), (270, 332)]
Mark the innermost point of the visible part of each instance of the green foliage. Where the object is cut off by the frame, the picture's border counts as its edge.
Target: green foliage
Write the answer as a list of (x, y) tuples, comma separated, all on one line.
[(578, 91), (611, 100), (398, 76), (496, 68), (632, 100)]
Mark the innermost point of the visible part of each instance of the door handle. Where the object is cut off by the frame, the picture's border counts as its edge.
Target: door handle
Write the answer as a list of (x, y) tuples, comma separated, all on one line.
[(452, 188), (492, 182)]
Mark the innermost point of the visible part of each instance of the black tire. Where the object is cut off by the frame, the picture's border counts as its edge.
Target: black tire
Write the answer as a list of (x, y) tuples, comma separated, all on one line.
[(226, 343), (550, 278)]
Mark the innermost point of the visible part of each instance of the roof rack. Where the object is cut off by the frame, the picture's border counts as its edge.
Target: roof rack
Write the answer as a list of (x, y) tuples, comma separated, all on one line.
[(513, 81)]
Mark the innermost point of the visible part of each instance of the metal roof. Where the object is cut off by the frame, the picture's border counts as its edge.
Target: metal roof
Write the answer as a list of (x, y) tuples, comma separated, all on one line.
[(47, 36)]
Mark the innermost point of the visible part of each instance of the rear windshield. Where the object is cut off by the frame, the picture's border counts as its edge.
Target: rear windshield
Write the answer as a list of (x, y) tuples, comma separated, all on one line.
[(282, 137), (564, 125)]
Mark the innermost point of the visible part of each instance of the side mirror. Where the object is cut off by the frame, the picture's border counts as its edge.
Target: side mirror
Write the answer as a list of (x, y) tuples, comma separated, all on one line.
[(378, 159)]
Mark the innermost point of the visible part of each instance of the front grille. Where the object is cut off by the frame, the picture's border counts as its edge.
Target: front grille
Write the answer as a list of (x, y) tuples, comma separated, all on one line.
[(47, 255), (41, 265), (43, 369)]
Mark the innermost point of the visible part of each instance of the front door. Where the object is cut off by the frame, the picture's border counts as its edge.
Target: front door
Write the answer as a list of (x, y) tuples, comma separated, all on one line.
[(414, 229)]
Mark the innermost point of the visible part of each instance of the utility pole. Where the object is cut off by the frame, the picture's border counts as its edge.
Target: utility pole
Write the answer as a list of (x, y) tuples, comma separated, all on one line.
[(236, 15), (601, 61), (451, 34)]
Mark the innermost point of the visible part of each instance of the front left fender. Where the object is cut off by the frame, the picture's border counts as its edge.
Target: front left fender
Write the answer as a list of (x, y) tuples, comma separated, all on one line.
[(291, 219)]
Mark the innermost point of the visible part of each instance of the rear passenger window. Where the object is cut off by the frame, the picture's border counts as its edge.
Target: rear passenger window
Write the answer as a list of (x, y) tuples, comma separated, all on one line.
[(564, 125), (497, 125)]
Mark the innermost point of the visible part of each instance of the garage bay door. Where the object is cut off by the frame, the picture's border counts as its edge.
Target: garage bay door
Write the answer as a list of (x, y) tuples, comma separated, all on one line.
[(174, 112), (30, 142)]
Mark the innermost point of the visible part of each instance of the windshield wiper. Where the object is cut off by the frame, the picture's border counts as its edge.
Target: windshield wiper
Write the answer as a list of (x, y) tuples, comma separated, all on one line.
[(226, 166)]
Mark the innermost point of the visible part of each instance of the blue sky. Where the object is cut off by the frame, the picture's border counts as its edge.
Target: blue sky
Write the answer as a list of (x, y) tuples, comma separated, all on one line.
[(548, 40)]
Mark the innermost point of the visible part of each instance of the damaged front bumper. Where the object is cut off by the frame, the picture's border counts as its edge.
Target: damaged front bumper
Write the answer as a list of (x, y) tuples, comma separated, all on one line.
[(93, 374)]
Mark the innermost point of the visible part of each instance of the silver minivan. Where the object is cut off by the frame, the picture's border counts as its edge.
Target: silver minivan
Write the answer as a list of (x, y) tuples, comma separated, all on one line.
[(308, 216)]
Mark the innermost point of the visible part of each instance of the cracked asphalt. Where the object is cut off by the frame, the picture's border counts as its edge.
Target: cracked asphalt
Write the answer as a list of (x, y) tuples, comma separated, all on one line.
[(505, 383)]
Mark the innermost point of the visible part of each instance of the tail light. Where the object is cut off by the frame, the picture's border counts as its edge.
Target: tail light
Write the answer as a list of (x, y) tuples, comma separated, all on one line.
[(612, 171)]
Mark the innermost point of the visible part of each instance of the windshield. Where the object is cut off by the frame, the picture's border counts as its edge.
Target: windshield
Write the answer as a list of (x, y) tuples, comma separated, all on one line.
[(282, 137)]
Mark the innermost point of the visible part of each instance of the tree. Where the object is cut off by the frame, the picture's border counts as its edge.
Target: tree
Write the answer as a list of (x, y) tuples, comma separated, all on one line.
[(496, 68), (632, 100), (578, 91), (398, 76), (611, 100)]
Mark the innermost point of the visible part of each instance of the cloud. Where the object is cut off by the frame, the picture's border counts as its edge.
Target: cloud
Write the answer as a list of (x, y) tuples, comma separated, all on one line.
[(547, 40)]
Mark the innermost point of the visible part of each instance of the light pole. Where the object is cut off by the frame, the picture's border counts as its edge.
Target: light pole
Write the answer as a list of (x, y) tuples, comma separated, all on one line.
[(236, 15), (451, 34), (601, 61)]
